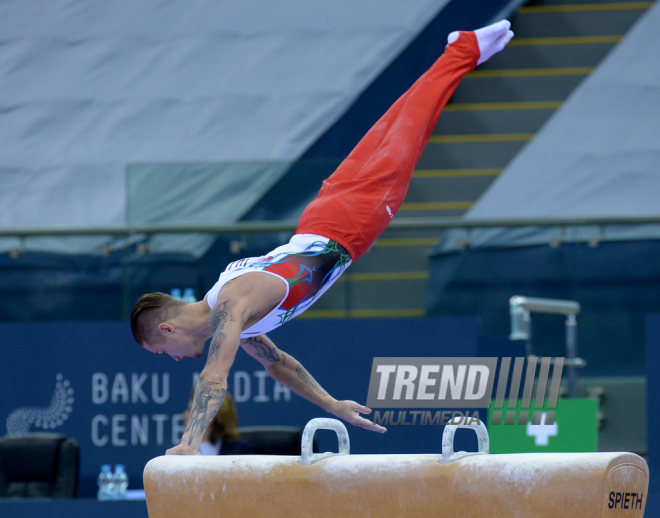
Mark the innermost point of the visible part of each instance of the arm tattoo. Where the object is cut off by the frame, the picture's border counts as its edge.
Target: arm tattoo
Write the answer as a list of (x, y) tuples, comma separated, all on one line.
[(225, 285), (307, 378), (262, 349), (219, 317), (208, 400)]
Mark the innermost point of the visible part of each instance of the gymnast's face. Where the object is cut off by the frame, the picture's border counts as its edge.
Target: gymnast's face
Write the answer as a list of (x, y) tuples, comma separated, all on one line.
[(179, 345)]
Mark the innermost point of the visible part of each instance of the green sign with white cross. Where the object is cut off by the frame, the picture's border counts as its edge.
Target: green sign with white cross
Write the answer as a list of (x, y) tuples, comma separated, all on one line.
[(575, 429)]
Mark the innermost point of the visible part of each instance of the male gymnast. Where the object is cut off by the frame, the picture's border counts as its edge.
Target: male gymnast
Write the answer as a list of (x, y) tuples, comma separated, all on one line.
[(353, 207)]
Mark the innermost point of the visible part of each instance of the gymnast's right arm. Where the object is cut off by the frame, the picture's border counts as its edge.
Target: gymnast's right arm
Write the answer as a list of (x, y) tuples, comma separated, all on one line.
[(235, 305), (212, 382), (288, 371)]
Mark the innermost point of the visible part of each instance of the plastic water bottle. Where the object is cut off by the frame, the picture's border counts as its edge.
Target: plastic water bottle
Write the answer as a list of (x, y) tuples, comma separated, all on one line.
[(189, 295), (120, 482), (176, 293), (106, 483)]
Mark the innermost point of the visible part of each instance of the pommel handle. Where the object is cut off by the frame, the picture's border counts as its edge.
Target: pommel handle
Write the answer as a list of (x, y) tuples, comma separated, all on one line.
[(306, 455), (448, 454)]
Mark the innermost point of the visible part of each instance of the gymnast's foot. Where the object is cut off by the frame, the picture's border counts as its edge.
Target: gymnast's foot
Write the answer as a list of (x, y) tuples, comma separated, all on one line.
[(492, 39)]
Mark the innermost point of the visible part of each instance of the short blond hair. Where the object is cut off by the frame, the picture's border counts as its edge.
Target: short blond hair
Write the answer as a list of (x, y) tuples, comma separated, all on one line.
[(149, 311)]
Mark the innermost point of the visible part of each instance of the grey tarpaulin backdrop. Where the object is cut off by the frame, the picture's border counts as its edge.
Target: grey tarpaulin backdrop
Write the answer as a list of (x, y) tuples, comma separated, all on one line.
[(90, 87), (599, 155), (194, 193)]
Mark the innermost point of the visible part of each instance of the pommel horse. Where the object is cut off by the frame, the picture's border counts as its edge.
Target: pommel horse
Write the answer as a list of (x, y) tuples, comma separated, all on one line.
[(452, 484)]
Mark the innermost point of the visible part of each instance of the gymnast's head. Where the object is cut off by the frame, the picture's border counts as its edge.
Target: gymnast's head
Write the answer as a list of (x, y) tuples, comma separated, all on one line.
[(162, 324)]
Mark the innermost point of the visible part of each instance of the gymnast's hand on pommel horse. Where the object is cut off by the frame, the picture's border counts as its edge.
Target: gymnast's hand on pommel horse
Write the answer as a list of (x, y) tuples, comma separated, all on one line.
[(353, 207)]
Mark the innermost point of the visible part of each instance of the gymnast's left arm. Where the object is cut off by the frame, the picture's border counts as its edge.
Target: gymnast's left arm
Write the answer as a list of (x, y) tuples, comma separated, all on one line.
[(288, 371)]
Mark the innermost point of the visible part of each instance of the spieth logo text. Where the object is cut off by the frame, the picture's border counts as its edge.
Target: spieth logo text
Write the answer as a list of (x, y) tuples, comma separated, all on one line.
[(465, 383)]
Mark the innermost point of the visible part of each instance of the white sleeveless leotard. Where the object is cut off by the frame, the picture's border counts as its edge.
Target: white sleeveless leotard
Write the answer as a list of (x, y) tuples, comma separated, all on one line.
[(307, 264)]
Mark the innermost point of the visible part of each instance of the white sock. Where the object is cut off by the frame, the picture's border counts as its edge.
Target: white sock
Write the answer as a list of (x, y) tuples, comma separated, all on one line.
[(491, 39)]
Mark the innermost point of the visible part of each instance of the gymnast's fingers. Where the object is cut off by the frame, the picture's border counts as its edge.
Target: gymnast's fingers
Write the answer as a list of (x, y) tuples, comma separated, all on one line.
[(362, 409), (368, 425)]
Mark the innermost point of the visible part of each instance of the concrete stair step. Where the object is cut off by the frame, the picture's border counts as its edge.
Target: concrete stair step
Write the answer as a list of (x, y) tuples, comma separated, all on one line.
[(404, 294), (436, 210), (366, 313), (492, 121), (395, 259), (504, 86), (468, 155), (577, 19), (447, 189), (552, 52)]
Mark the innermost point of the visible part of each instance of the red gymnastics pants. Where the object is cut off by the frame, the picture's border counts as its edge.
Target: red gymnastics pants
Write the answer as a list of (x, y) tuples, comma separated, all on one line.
[(358, 201)]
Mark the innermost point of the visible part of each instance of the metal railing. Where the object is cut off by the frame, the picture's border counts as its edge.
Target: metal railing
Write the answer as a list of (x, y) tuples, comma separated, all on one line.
[(258, 227)]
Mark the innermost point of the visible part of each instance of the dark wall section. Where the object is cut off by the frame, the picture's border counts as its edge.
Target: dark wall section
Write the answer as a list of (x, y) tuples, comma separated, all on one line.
[(50, 287), (617, 284), (653, 391), (653, 411)]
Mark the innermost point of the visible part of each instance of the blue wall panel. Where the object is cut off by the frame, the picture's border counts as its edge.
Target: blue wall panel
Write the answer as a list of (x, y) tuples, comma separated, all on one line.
[(653, 390), (127, 402), (653, 412)]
